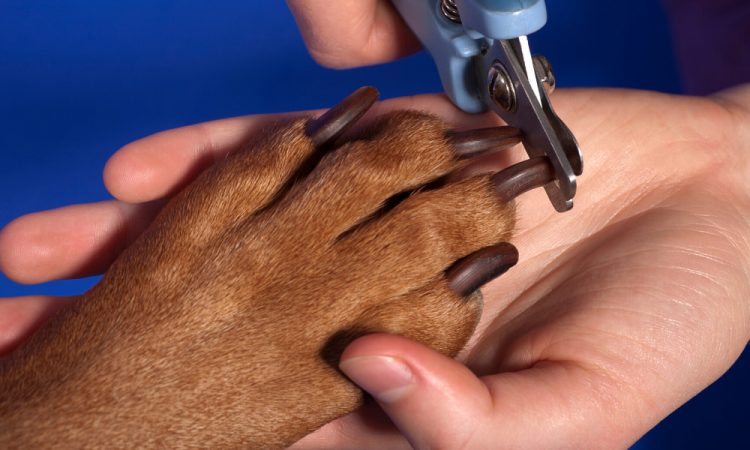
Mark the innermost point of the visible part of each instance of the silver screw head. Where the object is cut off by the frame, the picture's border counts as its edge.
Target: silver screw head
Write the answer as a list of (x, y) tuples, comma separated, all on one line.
[(501, 88), (544, 72)]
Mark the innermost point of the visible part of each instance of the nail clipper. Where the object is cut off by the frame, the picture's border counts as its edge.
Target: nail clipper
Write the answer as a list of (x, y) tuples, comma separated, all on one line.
[(481, 50)]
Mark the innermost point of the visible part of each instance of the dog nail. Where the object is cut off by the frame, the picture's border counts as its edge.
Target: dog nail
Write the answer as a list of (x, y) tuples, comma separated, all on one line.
[(522, 177), (334, 122), (489, 163), (474, 271), (473, 142)]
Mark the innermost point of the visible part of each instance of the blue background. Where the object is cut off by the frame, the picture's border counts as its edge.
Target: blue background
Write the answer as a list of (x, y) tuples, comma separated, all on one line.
[(80, 78)]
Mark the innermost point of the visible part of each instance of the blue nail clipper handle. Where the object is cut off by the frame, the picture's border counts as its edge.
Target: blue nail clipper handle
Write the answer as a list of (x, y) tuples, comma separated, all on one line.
[(453, 45), (483, 57)]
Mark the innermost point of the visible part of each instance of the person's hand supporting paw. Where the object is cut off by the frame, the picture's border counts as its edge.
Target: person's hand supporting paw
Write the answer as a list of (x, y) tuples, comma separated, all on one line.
[(556, 361)]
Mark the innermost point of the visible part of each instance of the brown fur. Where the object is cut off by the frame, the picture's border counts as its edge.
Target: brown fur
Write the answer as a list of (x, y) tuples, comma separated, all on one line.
[(222, 325)]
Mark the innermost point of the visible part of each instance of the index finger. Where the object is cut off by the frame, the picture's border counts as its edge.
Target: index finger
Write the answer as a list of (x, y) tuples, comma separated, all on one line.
[(350, 33), (161, 164)]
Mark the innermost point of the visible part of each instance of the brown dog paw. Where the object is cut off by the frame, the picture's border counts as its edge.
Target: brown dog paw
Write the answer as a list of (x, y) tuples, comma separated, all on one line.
[(222, 325)]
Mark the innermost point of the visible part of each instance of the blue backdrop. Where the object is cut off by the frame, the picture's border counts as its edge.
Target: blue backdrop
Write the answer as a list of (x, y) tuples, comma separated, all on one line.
[(80, 78)]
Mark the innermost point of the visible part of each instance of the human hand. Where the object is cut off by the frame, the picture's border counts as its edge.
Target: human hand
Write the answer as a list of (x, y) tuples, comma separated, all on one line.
[(352, 33), (618, 312)]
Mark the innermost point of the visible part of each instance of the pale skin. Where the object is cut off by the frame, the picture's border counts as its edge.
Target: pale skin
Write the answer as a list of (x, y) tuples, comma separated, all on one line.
[(617, 313)]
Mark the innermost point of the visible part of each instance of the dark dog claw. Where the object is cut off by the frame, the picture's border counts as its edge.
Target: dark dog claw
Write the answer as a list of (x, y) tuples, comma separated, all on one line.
[(489, 163), (473, 142), (474, 271), (334, 122), (524, 176)]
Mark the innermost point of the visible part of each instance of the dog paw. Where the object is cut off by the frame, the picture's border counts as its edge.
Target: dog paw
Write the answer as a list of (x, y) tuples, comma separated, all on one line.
[(224, 322)]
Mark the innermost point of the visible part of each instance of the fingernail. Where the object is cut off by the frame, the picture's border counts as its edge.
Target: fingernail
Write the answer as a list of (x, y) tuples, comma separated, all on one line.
[(386, 378)]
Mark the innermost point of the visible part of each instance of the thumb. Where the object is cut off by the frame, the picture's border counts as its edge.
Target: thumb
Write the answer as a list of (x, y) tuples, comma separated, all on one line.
[(435, 401), (438, 403)]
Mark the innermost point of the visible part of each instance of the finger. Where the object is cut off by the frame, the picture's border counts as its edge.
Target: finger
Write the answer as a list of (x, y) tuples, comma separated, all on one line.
[(352, 33), (70, 242), (439, 403), (435, 401), (20, 316), (159, 165), (368, 428)]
